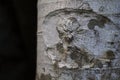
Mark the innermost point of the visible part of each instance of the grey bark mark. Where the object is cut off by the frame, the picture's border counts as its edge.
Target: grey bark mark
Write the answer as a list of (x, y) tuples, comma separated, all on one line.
[(80, 54)]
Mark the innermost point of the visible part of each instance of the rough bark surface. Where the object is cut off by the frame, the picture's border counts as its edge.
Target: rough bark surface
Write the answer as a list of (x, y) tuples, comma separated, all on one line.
[(78, 40)]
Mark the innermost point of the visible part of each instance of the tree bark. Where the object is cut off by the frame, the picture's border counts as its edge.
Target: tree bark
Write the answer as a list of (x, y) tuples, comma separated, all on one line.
[(78, 40)]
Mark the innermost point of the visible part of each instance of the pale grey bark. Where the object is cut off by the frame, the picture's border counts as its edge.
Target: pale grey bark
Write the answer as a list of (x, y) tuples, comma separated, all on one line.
[(78, 40)]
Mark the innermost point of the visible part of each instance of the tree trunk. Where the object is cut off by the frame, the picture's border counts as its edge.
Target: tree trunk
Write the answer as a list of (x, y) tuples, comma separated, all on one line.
[(78, 40)]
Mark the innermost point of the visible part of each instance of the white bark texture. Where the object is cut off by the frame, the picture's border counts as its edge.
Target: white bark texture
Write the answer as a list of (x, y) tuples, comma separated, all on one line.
[(78, 40)]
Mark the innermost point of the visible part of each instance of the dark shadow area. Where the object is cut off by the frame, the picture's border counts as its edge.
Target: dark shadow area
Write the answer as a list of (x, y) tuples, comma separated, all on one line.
[(18, 27)]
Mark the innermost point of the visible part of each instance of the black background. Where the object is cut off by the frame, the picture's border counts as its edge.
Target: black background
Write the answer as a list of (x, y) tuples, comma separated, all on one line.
[(18, 26)]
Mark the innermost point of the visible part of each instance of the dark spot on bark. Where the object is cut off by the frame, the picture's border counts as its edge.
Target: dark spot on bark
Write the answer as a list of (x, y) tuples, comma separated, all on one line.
[(45, 77), (101, 9), (60, 33), (110, 54), (55, 66), (92, 23), (68, 39), (59, 47), (81, 57), (112, 43), (116, 35), (74, 52), (100, 22)]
